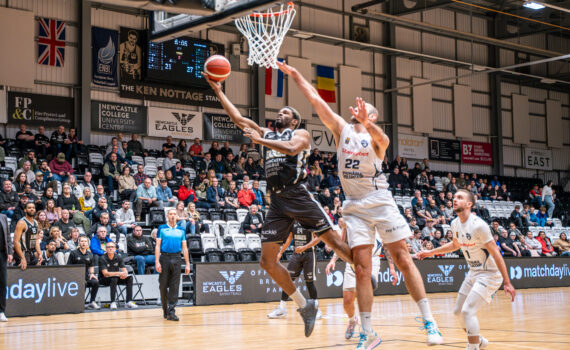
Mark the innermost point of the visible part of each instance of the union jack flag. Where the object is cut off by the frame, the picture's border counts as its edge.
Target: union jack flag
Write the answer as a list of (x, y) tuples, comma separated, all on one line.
[(51, 42)]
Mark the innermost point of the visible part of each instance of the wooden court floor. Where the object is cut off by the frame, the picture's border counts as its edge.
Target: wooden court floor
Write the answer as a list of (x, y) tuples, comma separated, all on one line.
[(538, 319)]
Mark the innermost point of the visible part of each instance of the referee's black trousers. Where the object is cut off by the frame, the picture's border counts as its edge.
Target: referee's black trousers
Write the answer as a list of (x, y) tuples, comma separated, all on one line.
[(3, 280), (169, 280)]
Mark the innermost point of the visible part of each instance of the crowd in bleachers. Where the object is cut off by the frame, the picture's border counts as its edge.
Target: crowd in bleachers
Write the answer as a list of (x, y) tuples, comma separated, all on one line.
[(119, 192)]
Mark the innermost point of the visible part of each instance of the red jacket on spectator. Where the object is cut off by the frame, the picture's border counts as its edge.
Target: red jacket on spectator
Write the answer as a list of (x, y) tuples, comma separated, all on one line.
[(246, 197), (546, 245), (57, 167), (196, 148), (184, 193)]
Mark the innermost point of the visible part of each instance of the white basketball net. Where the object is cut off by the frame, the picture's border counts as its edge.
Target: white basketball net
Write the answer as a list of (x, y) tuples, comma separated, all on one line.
[(265, 33)]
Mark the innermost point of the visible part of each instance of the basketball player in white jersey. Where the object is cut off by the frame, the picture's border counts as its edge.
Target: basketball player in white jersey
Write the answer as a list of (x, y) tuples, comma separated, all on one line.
[(487, 269), (349, 280), (369, 206)]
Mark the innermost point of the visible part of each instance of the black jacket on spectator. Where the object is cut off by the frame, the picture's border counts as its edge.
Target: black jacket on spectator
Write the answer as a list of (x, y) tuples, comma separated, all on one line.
[(483, 213), (65, 227), (397, 179), (110, 229), (136, 147), (434, 211), (70, 203), (252, 220), (142, 245), (313, 182), (8, 200), (328, 201), (97, 211)]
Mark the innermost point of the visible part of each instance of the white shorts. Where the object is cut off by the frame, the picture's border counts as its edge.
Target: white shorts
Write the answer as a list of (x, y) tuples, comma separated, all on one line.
[(483, 283), (376, 212), (349, 283)]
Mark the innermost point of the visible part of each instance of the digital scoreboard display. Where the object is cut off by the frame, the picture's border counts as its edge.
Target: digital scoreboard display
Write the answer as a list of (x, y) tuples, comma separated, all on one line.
[(180, 61)]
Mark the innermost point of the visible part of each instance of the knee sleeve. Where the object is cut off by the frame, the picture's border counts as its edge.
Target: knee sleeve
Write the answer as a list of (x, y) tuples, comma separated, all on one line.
[(469, 313), (311, 289)]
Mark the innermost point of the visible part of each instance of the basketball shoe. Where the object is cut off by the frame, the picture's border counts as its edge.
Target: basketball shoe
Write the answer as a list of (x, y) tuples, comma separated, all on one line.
[(433, 334), (279, 312), (309, 314), (368, 341), (352, 323)]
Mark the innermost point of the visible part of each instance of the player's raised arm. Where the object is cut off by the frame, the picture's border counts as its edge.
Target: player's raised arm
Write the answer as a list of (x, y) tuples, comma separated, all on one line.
[(331, 120), (231, 109), (299, 141), (380, 141)]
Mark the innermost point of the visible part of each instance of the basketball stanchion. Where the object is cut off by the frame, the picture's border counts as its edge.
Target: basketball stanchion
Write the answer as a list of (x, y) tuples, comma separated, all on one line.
[(265, 32)]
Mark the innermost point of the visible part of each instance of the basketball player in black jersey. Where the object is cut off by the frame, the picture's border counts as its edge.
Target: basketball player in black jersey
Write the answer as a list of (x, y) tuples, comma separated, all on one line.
[(303, 259), (25, 237), (285, 169)]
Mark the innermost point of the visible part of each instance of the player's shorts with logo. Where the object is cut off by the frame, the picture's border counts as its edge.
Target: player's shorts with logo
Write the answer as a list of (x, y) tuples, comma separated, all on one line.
[(377, 211), (293, 203), (484, 283), (349, 283), (303, 262)]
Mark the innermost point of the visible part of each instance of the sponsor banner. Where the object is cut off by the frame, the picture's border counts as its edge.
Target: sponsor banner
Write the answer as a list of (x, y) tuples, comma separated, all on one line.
[(539, 272), (537, 158), (321, 138), (219, 127), (168, 93), (131, 50), (34, 109), (476, 153), (443, 149), (45, 290), (412, 147), (104, 56), (179, 124), (118, 117)]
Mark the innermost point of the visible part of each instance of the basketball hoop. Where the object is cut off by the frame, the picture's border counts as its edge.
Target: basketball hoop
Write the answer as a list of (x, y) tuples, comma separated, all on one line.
[(265, 32)]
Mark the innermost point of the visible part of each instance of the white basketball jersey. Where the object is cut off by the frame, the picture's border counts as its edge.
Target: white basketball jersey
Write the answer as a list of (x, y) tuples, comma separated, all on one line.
[(473, 235), (360, 170)]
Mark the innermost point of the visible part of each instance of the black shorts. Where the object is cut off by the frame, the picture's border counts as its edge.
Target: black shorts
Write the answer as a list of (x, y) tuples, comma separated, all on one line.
[(303, 262), (296, 203)]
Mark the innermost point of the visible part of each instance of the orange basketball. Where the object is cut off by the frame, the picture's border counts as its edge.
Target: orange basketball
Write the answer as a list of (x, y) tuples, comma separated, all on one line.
[(217, 67)]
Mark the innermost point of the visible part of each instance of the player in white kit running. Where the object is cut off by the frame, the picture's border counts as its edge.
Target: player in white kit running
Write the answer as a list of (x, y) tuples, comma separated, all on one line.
[(369, 206), (487, 269), (349, 279)]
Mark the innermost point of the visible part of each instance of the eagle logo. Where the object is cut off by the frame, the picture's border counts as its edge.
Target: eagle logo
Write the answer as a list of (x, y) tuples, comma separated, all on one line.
[(446, 269), (231, 276), (183, 118)]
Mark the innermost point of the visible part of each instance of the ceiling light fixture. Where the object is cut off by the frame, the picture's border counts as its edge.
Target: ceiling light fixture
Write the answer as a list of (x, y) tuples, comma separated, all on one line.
[(533, 5)]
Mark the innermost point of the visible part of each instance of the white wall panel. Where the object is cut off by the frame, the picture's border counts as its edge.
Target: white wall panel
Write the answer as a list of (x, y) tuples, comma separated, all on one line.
[(560, 159), (537, 128), (404, 110), (478, 82), (506, 103), (439, 16), (507, 120), (408, 39), (536, 107), (512, 155), (238, 88), (408, 68), (319, 21), (534, 93), (507, 89), (360, 59), (481, 120), (290, 47), (378, 63), (441, 93), (481, 99), (442, 115), (560, 96), (436, 71), (324, 54), (438, 45)]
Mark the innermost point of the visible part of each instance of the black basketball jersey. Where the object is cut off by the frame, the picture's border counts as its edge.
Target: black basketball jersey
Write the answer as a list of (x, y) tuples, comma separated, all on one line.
[(280, 169), (301, 235), (28, 240)]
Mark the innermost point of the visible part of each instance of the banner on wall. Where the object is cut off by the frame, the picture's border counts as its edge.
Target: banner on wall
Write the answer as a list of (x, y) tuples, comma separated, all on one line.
[(179, 124), (321, 138), (104, 56), (445, 150), (219, 127), (45, 110), (540, 159), (476, 153), (118, 117), (414, 147), (131, 51)]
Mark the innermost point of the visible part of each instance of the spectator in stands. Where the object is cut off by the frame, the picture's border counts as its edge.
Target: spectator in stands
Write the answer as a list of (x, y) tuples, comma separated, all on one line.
[(461, 182), (73, 239), (226, 150), (253, 152), (206, 163), (437, 238), (547, 248), (112, 272), (61, 246), (31, 157), (313, 181), (533, 245), (168, 146), (214, 149), (27, 171), (65, 224), (99, 242), (68, 201), (520, 243), (185, 193), (101, 208), (146, 194), (47, 257), (20, 183), (494, 193), (415, 171), (41, 142), (141, 248), (418, 199), (197, 149), (542, 217), (421, 180), (24, 138), (507, 245), (39, 185), (408, 215), (48, 194), (127, 185), (486, 192), (428, 229), (219, 166), (182, 151), (215, 195), (483, 213), (240, 168), (315, 155), (115, 146), (516, 217), (135, 147), (336, 210), (513, 229), (332, 180), (226, 179), (330, 163), (231, 196), (105, 221), (168, 162), (252, 169), (259, 195), (231, 164), (416, 241), (178, 172), (164, 194), (140, 176), (112, 171), (51, 212), (547, 198), (495, 228), (503, 193), (253, 221), (525, 216), (87, 182), (82, 256), (125, 218), (452, 186), (495, 181), (75, 187), (472, 187), (57, 141), (72, 143), (436, 214), (535, 196), (60, 168), (195, 216), (325, 198), (562, 245), (246, 197), (43, 222), (201, 193), (8, 199)]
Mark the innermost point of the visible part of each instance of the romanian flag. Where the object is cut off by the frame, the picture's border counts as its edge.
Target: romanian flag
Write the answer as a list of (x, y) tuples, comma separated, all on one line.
[(325, 83), (274, 81)]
